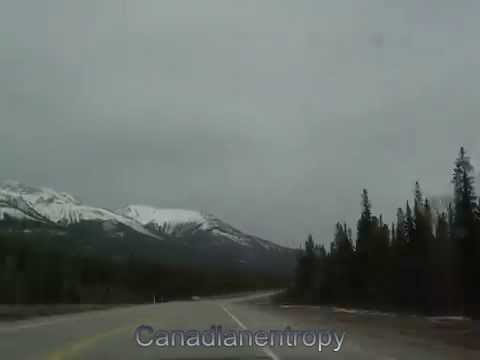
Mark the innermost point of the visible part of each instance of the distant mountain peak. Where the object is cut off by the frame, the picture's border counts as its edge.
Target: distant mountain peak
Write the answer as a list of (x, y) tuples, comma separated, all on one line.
[(187, 236), (44, 205), (36, 193), (146, 214), (181, 222)]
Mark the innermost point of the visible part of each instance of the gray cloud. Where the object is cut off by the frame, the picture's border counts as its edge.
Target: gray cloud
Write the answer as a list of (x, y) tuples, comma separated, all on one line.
[(270, 114)]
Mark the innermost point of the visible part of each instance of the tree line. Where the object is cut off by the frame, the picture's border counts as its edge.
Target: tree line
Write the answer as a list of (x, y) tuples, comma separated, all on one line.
[(426, 261), (41, 268)]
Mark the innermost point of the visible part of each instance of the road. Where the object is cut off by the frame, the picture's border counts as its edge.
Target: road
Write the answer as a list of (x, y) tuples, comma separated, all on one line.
[(109, 334)]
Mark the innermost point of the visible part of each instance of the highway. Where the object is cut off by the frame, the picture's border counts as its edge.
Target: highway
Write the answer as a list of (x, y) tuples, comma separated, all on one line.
[(111, 334)]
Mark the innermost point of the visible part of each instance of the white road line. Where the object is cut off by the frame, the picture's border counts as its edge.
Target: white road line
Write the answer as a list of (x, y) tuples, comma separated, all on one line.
[(242, 325), (266, 349)]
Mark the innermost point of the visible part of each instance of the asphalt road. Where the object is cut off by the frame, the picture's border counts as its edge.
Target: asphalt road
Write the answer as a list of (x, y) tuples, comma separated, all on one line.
[(110, 334)]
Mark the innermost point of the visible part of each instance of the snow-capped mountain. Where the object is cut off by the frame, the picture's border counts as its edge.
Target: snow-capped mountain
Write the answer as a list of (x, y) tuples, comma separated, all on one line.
[(181, 223), (43, 205), (186, 237), (171, 221), (47, 206)]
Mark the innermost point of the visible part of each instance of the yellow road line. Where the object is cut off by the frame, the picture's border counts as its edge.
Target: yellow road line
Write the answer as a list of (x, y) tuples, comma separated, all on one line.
[(75, 349)]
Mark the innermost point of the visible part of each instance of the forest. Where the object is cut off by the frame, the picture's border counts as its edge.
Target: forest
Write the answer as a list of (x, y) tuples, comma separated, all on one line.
[(44, 268), (427, 261)]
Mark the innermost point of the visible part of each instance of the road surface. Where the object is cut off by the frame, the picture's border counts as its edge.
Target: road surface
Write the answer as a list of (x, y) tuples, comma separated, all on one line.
[(109, 334)]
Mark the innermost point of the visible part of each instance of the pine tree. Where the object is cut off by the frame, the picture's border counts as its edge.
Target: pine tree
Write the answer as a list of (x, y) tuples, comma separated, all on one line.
[(343, 243), (464, 231), (306, 270), (364, 237), (418, 198), (409, 224), (342, 264), (364, 226), (402, 230), (413, 264), (400, 278), (309, 247), (443, 289), (422, 225), (464, 195), (427, 248)]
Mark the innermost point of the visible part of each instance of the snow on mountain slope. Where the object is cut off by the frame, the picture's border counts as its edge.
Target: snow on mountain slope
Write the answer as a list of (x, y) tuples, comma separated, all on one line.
[(178, 222), (168, 220), (47, 205), (44, 205), (6, 212)]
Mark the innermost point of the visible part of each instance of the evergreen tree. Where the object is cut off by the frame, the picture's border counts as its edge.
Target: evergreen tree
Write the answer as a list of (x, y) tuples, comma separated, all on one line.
[(464, 232), (418, 198), (364, 225), (306, 270), (341, 263), (464, 195), (310, 247), (342, 240), (416, 264), (400, 279), (364, 236), (409, 224), (420, 243), (378, 262), (402, 231), (443, 289)]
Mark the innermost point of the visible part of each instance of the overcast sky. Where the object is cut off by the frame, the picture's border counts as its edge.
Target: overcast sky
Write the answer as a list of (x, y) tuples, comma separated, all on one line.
[(272, 115)]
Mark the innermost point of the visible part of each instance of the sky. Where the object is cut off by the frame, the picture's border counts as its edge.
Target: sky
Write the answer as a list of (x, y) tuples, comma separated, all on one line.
[(272, 115)]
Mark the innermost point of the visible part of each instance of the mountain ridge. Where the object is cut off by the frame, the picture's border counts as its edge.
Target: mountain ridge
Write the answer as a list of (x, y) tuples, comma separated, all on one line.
[(45, 205), (177, 222)]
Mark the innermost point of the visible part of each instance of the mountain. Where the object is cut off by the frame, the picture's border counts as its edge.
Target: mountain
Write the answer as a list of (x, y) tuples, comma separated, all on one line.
[(161, 235), (49, 207), (181, 223)]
